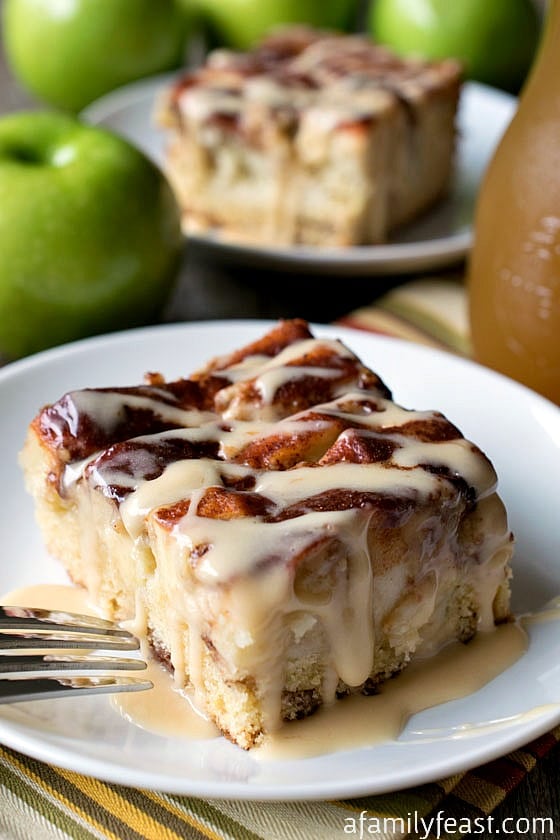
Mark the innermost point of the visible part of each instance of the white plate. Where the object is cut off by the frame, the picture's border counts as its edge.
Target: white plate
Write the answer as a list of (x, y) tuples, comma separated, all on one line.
[(441, 237), (521, 433)]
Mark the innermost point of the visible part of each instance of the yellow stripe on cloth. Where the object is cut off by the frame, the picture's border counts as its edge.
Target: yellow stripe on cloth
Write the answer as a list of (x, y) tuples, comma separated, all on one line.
[(431, 311), (287, 820), (524, 759), (26, 813), (483, 794), (420, 800), (375, 320), (48, 801), (199, 813), (128, 806), (435, 305)]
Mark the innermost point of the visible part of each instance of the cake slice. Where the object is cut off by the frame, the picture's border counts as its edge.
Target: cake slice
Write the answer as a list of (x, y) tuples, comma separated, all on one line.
[(311, 138), (280, 529)]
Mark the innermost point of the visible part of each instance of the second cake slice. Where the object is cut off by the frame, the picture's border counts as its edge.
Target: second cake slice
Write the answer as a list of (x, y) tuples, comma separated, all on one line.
[(311, 138)]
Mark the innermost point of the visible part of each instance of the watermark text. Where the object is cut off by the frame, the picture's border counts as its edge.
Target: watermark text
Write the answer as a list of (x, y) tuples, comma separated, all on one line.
[(365, 825)]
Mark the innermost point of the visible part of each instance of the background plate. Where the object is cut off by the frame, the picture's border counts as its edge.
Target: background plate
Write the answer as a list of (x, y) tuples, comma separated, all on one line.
[(442, 236), (524, 701)]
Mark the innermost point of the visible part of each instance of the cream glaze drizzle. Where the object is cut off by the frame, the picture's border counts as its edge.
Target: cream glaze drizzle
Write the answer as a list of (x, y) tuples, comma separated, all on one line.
[(354, 722), (358, 721), (330, 96), (247, 568), (105, 406)]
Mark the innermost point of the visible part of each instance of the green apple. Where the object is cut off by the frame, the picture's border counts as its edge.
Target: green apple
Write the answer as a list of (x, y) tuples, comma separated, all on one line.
[(90, 236), (69, 52), (240, 23), (495, 39)]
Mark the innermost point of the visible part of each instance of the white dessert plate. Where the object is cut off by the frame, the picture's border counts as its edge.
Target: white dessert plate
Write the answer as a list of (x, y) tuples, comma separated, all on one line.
[(519, 430), (442, 236)]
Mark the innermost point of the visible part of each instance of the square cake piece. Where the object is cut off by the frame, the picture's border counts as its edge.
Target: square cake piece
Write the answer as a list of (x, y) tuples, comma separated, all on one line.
[(281, 531), (312, 138)]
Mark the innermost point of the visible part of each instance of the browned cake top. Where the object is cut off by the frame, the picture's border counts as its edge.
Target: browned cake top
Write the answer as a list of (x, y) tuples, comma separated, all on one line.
[(297, 70), (283, 430)]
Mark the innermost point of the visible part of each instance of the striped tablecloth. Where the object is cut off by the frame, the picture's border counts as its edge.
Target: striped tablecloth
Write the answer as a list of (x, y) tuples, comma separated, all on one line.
[(38, 801)]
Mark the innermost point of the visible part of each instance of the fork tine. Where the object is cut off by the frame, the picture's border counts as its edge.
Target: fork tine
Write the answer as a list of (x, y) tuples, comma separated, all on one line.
[(16, 690), (35, 663), (68, 640), (23, 630), (23, 627), (15, 618)]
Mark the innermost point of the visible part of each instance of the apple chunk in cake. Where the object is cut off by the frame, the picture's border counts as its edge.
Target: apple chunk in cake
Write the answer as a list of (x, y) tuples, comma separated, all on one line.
[(311, 138), (284, 531)]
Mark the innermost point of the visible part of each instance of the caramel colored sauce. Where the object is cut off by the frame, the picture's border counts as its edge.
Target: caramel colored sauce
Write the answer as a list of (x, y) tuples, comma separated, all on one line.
[(515, 264), (359, 721), (164, 710), (354, 722), (47, 596)]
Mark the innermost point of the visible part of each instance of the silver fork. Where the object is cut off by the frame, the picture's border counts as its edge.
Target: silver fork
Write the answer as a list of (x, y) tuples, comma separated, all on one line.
[(29, 675)]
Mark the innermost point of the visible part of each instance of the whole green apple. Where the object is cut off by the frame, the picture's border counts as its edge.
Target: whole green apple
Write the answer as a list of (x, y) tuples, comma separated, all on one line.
[(90, 236), (241, 23), (70, 52), (495, 39)]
